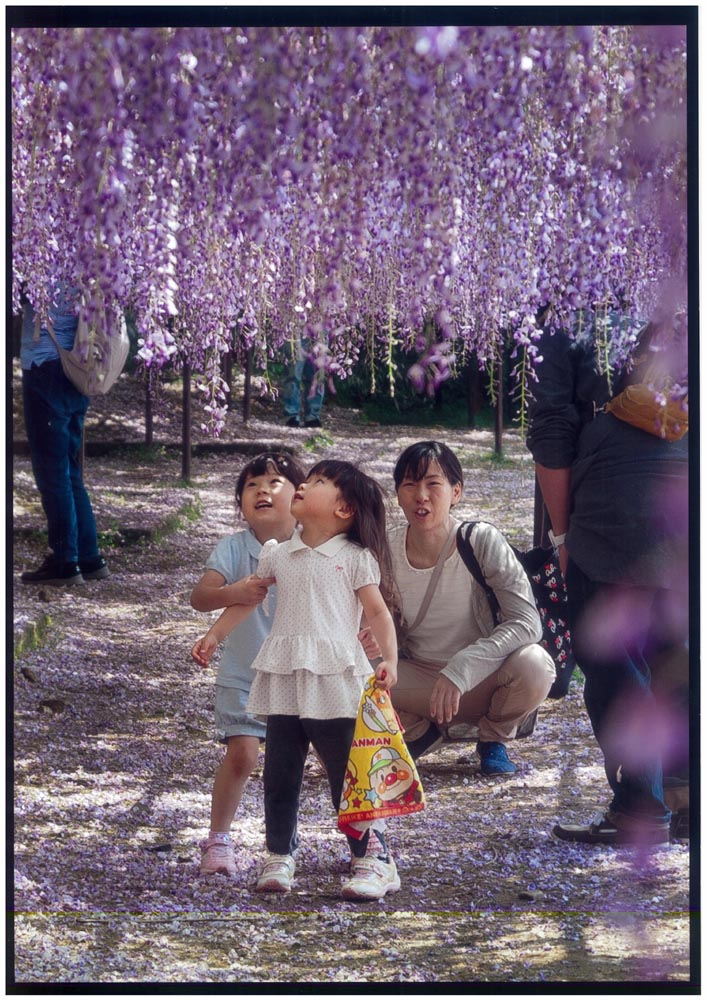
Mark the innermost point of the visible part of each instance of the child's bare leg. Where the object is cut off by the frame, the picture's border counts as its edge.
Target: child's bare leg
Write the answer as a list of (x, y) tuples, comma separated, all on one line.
[(235, 769)]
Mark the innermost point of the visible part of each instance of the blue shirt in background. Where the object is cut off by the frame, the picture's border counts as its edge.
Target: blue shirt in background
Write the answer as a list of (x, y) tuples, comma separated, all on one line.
[(65, 322)]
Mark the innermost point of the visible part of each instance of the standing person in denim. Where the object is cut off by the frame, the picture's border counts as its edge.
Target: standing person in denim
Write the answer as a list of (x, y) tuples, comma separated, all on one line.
[(302, 376), (54, 412), (616, 496)]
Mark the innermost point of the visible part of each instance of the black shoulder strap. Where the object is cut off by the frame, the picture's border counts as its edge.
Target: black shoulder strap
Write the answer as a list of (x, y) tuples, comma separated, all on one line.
[(466, 551)]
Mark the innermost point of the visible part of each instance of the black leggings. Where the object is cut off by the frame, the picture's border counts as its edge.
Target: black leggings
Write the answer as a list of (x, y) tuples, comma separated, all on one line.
[(286, 745)]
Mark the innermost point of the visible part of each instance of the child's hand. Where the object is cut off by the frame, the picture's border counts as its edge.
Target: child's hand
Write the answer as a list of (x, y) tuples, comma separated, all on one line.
[(386, 674), (370, 646), (253, 589), (204, 649)]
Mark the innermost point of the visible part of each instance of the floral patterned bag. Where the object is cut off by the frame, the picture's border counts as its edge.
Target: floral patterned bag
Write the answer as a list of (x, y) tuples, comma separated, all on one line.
[(550, 595)]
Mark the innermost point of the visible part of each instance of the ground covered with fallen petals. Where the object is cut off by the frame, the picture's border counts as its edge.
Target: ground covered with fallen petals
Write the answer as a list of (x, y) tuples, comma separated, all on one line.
[(115, 756)]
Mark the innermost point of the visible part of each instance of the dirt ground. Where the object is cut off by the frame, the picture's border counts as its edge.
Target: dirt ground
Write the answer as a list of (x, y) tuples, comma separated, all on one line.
[(114, 759)]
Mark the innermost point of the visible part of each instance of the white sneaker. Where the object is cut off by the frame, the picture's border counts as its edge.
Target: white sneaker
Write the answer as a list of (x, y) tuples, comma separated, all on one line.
[(371, 878), (217, 857), (276, 874)]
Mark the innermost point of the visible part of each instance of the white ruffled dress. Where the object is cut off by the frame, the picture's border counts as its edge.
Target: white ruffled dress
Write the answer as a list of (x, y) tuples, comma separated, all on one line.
[(312, 664)]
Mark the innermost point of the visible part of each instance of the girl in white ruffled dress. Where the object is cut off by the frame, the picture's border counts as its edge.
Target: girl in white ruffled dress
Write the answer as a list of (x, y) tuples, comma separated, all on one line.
[(311, 669)]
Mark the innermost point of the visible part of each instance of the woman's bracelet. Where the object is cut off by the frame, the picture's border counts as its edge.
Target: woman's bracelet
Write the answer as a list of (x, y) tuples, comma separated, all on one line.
[(556, 540)]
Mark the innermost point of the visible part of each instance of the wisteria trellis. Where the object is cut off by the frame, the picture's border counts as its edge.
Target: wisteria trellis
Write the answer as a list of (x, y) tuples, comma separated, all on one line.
[(435, 186)]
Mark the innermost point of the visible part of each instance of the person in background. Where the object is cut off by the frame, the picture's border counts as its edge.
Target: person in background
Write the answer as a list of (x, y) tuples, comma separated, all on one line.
[(54, 414), (264, 492), (303, 387), (616, 495)]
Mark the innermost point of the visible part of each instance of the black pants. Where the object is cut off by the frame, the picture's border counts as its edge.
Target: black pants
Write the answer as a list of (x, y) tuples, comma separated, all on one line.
[(618, 689), (286, 746)]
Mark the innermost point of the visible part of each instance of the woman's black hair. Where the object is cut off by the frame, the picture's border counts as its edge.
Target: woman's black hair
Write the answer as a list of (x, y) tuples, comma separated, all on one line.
[(270, 461), (365, 496), (417, 458)]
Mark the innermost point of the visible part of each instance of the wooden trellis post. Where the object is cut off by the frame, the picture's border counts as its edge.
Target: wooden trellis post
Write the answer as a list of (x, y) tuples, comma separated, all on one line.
[(186, 421), (498, 422), (148, 411), (247, 369), (227, 362), (472, 391)]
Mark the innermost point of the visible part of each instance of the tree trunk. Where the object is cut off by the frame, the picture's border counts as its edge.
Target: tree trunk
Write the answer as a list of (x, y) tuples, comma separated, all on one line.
[(472, 391), (498, 423), (186, 422), (227, 363), (16, 335), (247, 369), (148, 412)]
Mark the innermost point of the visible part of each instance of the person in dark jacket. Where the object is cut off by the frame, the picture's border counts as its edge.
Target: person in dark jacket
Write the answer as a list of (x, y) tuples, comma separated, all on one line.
[(616, 496)]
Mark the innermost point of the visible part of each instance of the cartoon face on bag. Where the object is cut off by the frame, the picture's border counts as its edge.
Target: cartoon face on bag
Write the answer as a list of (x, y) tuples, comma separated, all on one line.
[(390, 777)]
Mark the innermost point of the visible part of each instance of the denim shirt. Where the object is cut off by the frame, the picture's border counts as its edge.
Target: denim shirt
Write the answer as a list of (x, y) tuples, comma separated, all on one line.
[(65, 321)]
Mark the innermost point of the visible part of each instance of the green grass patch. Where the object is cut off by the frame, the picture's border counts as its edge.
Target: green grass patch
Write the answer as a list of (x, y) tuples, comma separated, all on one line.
[(140, 454), (188, 513), (499, 461), (423, 413), (33, 637), (115, 537), (322, 439)]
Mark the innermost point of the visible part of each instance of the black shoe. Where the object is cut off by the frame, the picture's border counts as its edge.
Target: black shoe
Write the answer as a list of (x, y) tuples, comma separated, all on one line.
[(602, 831), (94, 569), (292, 422), (313, 423), (53, 573), (430, 739)]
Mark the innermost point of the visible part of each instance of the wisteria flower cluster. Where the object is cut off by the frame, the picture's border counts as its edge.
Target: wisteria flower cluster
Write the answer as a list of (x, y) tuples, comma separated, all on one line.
[(238, 188)]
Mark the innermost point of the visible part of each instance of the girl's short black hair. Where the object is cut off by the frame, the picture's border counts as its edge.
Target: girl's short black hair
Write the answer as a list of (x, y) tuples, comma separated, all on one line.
[(417, 458), (270, 461)]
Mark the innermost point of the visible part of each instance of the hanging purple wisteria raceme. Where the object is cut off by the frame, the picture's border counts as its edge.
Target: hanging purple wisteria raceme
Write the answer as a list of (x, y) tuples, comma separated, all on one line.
[(362, 186)]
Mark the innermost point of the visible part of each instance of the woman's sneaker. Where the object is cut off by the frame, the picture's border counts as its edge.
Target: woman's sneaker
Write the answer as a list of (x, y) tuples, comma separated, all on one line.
[(276, 874), (217, 856), (371, 878), (494, 759)]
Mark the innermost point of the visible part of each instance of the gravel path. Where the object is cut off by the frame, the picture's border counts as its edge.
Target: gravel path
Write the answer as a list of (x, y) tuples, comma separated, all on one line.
[(114, 761)]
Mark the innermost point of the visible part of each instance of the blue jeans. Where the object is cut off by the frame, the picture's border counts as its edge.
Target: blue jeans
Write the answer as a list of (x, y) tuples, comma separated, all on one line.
[(618, 695), (54, 415), (302, 374)]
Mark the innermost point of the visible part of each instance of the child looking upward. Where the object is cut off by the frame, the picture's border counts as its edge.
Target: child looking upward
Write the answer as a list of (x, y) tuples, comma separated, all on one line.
[(264, 493)]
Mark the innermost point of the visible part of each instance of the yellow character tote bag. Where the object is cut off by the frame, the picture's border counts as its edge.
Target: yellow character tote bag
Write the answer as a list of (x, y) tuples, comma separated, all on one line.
[(381, 778)]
